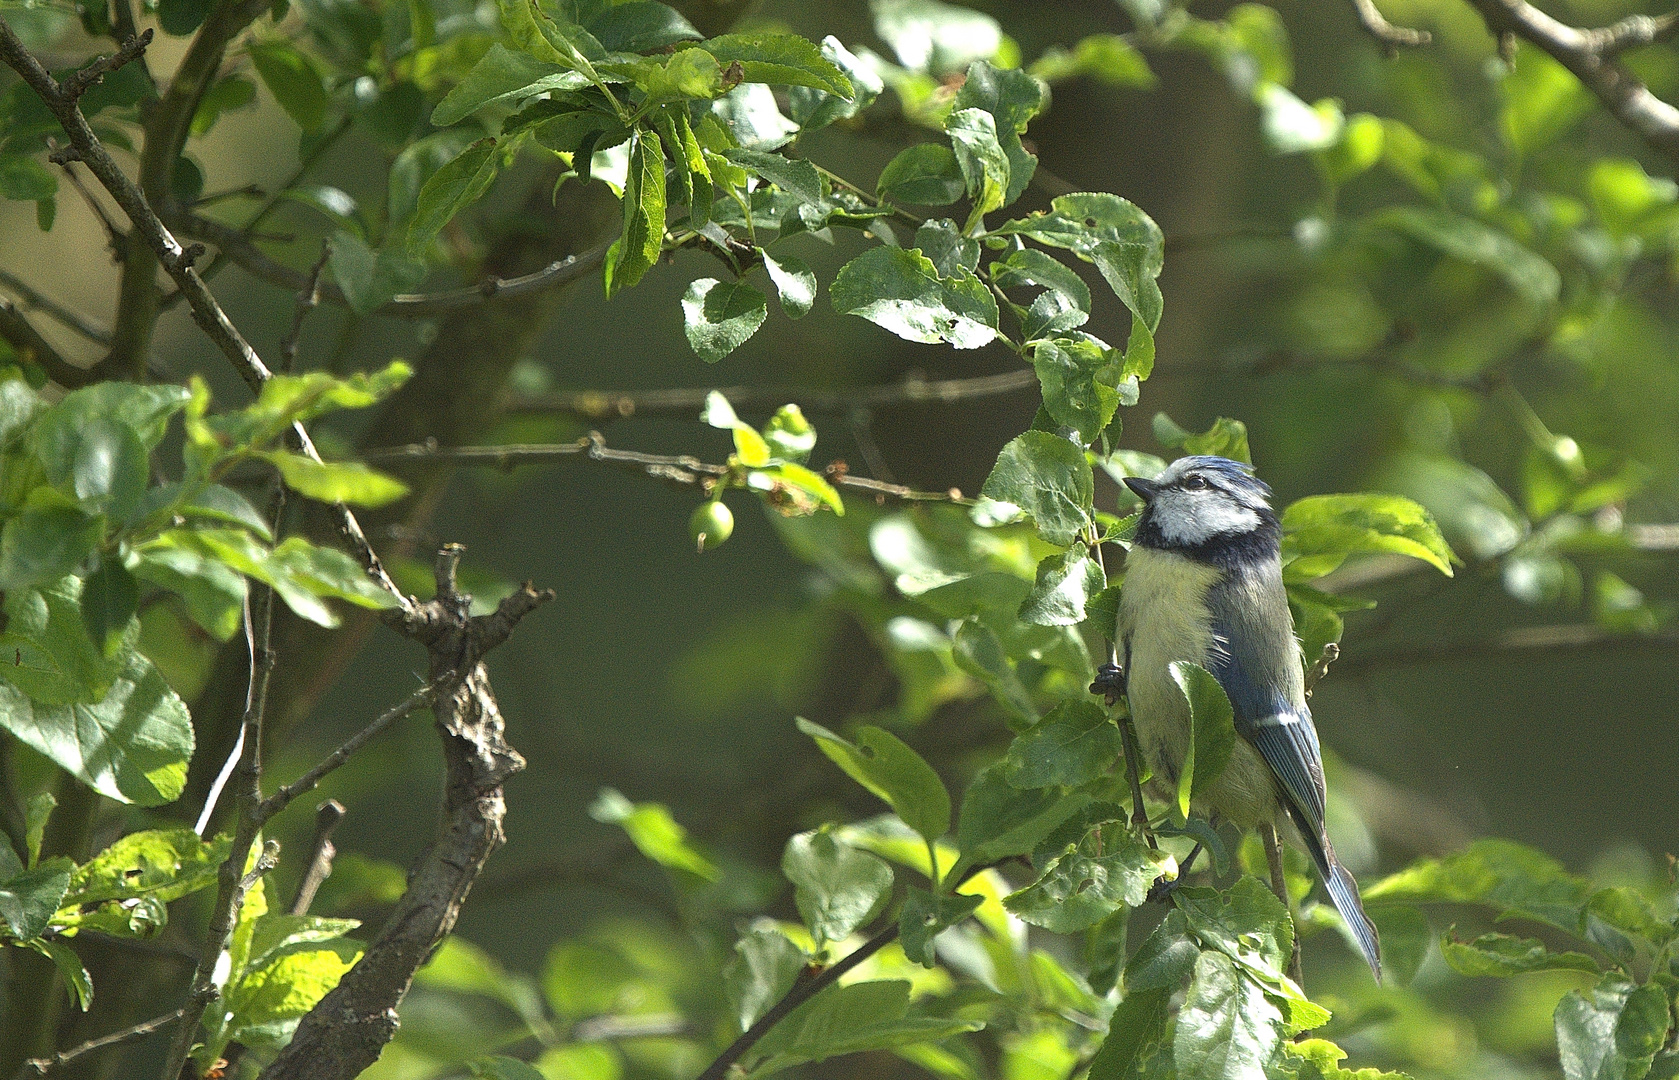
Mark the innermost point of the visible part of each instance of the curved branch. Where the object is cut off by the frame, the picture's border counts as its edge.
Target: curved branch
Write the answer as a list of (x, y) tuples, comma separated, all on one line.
[(17, 332), (1590, 55), (613, 404), (1392, 37), (239, 250), (58, 312)]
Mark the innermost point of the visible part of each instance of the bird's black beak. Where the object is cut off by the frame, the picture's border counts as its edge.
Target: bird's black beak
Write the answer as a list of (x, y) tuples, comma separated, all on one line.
[(1144, 489)]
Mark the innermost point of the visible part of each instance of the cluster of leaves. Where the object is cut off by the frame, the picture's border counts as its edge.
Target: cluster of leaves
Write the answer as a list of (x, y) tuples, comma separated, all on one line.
[(89, 536), (280, 964)]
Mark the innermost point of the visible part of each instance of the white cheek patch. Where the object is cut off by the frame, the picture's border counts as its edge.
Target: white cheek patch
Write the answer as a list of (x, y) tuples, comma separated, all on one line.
[(1194, 517)]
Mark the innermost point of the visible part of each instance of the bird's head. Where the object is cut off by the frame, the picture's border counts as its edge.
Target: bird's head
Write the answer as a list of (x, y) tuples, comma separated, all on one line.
[(1202, 500)]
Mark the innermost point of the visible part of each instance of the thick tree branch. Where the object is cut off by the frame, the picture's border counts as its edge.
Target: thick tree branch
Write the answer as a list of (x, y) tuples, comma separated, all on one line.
[(612, 404), (1590, 55), (680, 468), (236, 245), (346, 1031)]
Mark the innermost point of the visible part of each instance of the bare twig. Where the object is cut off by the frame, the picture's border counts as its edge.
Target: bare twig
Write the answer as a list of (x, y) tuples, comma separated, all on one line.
[(806, 987), (236, 245), (17, 332), (680, 468), (307, 298), (611, 1028), (1392, 37), (79, 83), (37, 1067), (115, 239), (321, 854), (282, 798), (33, 300), (912, 390), (348, 1028), (1331, 653), (1591, 56)]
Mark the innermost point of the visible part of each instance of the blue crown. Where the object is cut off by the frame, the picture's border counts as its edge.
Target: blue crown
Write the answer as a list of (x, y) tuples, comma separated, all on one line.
[(1235, 476)]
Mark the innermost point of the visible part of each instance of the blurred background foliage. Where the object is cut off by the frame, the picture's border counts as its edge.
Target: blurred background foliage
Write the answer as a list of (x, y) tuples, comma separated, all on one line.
[(1444, 273)]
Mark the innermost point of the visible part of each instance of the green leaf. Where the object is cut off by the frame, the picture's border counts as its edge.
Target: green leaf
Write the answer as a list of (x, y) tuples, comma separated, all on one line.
[(1107, 58), (1501, 954), (1227, 1028), (894, 772), (110, 596), (1125, 243), (1542, 100), (984, 165), (718, 317), (294, 80), (1049, 479), (1291, 126), (654, 832), (796, 177), (44, 543), (1627, 910), (1406, 937), (836, 887), (1073, 745), (1138, 1022), (1029, 266), (69, 965), (211, 502), (783, 59), (640, 26), (1066, 583), (25, 179), (946, 248), (900, 289), (1245, 922), (1501, 874), (297, 566), (50, 655), (1079, 381), (165, 864), (795, 285), (1320, 531), (1528, 274), (1610, 1032), (926, 915), (643, 237), (370, 279), (1077, 891), (228, 93), (452, 189), (37, 809), (789, 435), (763, 969), (1012, 97), (999, 820), (28, 900), (1164, 958), (814, 109), (927, 174), (935, 37), (501, 1067), (1358, 149), (978, 651), (277, 994), (214, 595), (851, 1019), (336, 481), (1213, 731)]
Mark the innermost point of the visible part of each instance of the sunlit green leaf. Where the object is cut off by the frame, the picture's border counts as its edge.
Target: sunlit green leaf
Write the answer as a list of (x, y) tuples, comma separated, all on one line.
[(900, 289), (836, 887), (654, 832), (889, 768)]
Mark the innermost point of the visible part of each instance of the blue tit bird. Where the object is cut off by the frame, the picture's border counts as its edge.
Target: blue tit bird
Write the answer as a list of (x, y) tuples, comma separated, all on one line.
[(1204, 583)]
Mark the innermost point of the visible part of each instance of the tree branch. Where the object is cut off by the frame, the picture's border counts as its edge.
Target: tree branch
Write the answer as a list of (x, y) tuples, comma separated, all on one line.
[(282, 798), (321, 854), (1392, 37), (37, 1067), (680, 468), (17, 332), (348, 1028), (236, 245), (58, 312), (913, 390), (1590, 55)]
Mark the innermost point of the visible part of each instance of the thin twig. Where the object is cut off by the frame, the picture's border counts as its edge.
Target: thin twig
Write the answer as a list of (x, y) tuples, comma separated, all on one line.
[(37, 1067), (807, 987), (912, 390), (82, 81), (35, 301), (114, 238), (1392, 38), (235, 245), (307, 298), (282, 798), (681, 468), (21, 335), (321, 854), (1331, 653)]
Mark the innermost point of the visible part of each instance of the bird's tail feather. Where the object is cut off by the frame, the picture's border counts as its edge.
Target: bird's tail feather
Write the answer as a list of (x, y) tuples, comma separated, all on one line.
[(1343, 892)]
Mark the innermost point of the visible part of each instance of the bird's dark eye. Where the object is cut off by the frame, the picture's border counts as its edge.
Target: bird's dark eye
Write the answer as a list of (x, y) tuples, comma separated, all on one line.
[(1194, 483)]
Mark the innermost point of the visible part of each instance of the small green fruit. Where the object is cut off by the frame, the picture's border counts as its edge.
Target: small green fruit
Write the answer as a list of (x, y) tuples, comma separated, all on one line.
[(711, 525)]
